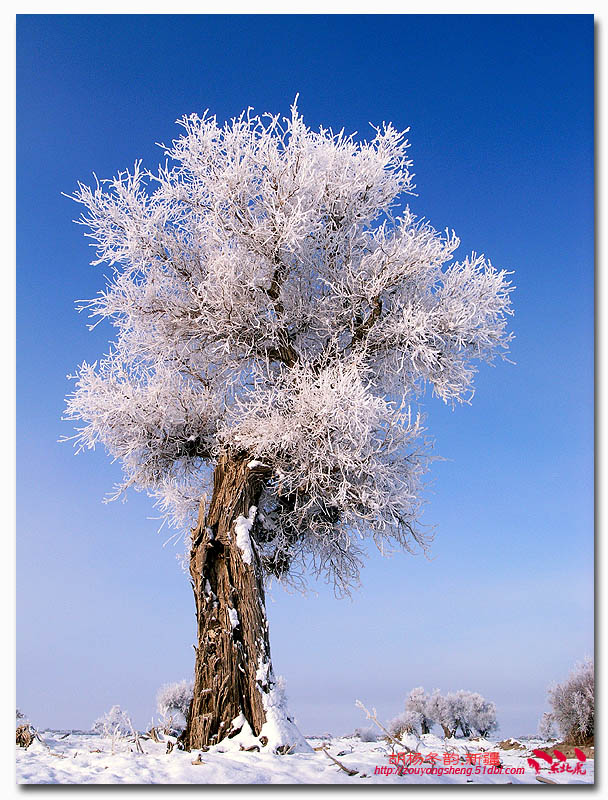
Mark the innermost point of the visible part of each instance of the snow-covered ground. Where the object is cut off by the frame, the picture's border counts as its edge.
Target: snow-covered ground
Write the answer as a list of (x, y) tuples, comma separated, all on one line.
[(87, 758)]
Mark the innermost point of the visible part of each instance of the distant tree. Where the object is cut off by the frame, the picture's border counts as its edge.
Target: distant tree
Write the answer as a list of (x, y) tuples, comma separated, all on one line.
[(404, 723), (459, 705), (464, 710), (440, 711), (573, 704), (277, 312), (546, 727), (418, 702), (481, 715), (366, 734)]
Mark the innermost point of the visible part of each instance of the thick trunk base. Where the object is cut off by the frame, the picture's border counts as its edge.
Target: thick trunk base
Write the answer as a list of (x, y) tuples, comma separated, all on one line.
[(233, 672)]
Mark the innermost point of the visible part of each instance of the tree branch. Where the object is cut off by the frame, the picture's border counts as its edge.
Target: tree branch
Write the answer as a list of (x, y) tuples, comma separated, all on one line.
[(363, 328)]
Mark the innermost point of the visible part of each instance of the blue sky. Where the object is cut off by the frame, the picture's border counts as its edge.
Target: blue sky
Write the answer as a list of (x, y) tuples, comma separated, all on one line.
[(501, 116)]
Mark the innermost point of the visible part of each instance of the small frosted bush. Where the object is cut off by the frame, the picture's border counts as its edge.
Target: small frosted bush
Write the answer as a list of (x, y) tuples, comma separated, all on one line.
[(114, 725), (173, 703)]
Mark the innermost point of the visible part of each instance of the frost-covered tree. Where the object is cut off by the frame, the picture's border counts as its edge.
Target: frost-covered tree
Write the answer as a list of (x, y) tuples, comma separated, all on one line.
[(438, 709), (464, 710), (405, 723), (546, 727), (278, 310), (418, 702), (573, 704), (481, 714), (367, 734), (459, 705)]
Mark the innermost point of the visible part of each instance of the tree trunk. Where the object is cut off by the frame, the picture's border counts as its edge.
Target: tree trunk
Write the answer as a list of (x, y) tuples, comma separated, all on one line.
[(233, 671)]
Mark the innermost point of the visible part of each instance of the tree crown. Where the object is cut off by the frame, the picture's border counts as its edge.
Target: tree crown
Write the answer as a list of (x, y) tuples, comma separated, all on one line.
[(273, 298)]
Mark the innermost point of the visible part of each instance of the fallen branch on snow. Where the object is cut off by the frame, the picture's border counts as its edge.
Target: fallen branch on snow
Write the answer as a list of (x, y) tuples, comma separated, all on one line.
[(350, 772)]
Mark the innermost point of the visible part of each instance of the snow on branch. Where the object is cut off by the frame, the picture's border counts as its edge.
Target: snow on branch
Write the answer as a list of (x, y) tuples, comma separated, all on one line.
[(271, 296)]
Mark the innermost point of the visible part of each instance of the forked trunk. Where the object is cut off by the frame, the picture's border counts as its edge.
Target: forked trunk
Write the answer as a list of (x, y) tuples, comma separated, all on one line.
[(233, 672)]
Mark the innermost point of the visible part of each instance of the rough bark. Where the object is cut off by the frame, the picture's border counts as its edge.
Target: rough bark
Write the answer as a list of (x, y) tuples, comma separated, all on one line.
[(232, 668), (24, 736)]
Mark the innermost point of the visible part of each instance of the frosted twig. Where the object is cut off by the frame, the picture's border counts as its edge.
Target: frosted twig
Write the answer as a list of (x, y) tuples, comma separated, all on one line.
[(373, 716)]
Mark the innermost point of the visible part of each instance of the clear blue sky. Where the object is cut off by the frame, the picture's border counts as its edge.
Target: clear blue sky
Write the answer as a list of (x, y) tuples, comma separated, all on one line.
[(501, 116)]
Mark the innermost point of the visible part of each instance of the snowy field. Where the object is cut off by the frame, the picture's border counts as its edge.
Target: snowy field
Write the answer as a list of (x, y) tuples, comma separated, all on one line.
[(78, 758)]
